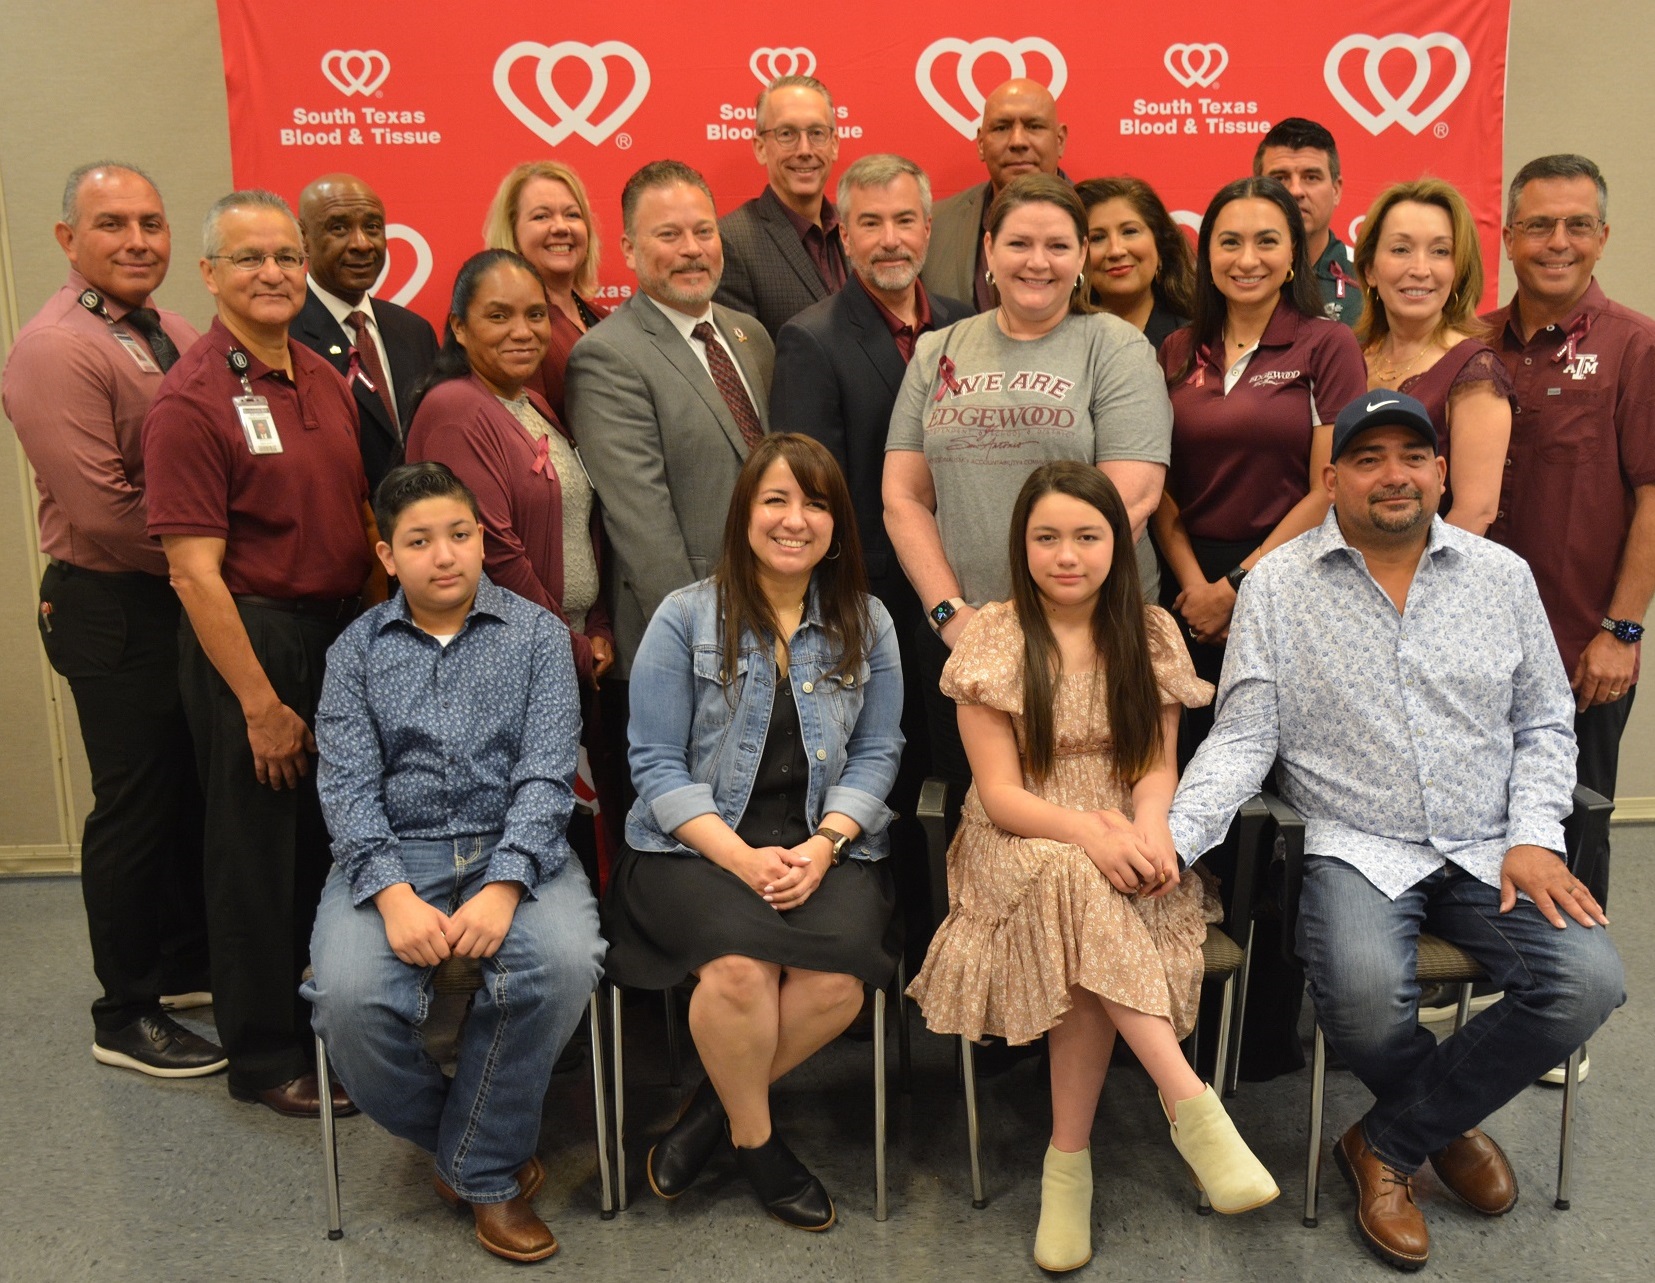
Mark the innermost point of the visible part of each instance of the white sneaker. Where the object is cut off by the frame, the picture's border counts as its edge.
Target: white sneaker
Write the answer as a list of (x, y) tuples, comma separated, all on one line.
[(1557, 1077)]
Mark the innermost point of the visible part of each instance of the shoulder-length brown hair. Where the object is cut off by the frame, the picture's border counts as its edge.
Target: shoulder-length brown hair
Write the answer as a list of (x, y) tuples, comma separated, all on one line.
[(1461, 312), (500, 223), (839, 582), (1132, 696), (1174, 283), (1045, 189)]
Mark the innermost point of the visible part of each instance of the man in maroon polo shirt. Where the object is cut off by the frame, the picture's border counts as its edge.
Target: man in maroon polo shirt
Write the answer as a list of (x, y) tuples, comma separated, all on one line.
[(257, 495), (78, 383), (1579, 497)]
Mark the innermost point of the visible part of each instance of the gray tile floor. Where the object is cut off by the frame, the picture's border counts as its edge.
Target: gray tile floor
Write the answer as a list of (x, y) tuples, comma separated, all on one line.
[(112, 1176)]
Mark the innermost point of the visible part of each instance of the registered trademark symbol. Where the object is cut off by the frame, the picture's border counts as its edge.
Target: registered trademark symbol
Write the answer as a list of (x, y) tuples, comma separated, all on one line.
[(1440, 129), (623, 141)]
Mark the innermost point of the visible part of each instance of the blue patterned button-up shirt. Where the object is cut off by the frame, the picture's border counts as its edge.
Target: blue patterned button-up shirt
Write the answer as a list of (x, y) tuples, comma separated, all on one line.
[(1406, 740), (476, 738)]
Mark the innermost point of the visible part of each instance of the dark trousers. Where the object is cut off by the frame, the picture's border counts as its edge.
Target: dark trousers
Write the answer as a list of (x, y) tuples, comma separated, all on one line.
[(114, 638), (609, 766), (1598, 737), (908, 863), (267, 851)]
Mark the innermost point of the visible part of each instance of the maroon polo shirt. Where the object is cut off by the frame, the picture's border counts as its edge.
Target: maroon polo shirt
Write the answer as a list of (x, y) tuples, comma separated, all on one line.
[(291, 522), (1582, 437), (905, 335), (1241, 458), (821, 243)]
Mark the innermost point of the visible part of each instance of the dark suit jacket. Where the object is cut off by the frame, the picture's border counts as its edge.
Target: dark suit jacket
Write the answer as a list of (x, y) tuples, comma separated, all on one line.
[(662, 449), (410, 347), (768, 273), (837, 376), (956, 232)]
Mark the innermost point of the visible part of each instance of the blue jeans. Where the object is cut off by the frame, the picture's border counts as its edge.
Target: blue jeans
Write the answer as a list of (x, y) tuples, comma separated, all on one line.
[(1360, 949), (369, 1007)]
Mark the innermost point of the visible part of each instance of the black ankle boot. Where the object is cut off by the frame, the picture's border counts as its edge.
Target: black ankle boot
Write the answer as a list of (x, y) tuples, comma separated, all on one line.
[(785, 1186), (679, 1156)]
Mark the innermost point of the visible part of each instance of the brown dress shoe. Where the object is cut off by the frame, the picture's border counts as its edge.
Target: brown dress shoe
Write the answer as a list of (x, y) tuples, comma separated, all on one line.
[(530, 1177), (297, 1098), (512, 1230), (1475, 1170), (1387, 1217)]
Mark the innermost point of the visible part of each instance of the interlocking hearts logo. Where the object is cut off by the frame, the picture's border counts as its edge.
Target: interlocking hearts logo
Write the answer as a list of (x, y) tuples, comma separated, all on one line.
[(422, 263), (1394, 109), (576, 118), (768, 64), (1192, 65), (355, 71), (1013, 51)]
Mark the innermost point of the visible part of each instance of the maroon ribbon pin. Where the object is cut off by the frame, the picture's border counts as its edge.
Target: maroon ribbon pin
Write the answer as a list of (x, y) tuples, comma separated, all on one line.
[(1576, 331), (945, 372)]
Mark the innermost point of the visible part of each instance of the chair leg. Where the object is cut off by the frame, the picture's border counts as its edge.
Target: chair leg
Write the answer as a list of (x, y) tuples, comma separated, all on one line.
[(600, 1108), (968, 1069), (669, 1000), (1462, 1012), (880, 1206), (904, 1052), (1566, 1143), (1313, 1163), (1226, 1012), (616, 1063), (1238, 1015), (330, 1141)]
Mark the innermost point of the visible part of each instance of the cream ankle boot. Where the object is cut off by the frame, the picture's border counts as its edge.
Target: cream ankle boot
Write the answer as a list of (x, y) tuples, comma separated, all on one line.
[(1064, 1239), (1218, 1158)]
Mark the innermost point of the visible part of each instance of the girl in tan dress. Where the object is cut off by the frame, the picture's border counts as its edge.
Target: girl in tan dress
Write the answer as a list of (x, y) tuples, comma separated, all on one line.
[(1068, 914)]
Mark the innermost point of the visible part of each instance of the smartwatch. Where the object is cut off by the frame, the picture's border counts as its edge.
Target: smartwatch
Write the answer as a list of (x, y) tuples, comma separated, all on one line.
[(1235, 577), (837, 839), (1625, 630), (942, 612)]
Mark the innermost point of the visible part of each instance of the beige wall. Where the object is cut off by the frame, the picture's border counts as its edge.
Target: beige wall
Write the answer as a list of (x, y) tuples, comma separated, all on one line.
[(1579, 85)]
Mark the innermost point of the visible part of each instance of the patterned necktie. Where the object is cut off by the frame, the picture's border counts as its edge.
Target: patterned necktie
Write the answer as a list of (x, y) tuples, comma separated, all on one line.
[(367, 352), (147, 322), (729, 384)]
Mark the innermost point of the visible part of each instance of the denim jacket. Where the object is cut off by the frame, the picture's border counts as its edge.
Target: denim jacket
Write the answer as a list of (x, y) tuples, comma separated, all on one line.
[(695, 746)]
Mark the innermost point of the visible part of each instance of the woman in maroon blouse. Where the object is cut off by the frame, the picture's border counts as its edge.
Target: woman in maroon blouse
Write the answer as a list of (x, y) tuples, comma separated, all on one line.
[(1422, 275), (542, 213)]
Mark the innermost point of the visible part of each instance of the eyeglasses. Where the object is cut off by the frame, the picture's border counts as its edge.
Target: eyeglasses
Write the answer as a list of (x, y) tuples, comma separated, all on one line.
[(1577, 227), (250, 260), (787, 136)]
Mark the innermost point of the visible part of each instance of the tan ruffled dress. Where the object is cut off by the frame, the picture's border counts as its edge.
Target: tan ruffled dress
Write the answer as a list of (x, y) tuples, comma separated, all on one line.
[(1029, 918)]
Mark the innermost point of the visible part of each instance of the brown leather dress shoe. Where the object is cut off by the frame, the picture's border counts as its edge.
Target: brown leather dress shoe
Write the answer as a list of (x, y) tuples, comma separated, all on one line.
[(1475, 1170), (530, 1177), (297, 1098), (1387, 1217), (512, 1230)]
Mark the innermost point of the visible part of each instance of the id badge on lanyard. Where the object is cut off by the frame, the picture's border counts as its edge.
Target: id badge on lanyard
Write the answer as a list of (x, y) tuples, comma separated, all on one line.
[(93, 302), (258, 424)]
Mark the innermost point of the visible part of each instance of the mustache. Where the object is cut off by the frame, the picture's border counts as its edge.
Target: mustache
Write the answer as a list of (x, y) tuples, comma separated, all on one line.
[(1396, 492), (698, 265)]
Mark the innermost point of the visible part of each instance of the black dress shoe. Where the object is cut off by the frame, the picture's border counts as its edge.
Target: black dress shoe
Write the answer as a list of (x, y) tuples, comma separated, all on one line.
[(679, 1156), (785, 1186), (160, 1047)]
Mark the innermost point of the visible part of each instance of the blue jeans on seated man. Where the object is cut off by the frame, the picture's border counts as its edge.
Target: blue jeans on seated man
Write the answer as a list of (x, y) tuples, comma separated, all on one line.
[(369, 1007), (1360, 948)]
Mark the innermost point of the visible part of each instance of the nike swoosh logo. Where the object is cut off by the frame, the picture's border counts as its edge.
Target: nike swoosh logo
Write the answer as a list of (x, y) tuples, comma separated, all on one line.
[(1380, 405)]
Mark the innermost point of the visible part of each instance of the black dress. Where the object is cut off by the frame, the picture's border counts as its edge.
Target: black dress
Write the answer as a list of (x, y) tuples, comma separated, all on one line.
[(666, 914)]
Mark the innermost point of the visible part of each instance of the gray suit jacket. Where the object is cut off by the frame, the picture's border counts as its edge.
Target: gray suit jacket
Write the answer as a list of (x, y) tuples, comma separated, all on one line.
[(768, 273), (662, 449), (956, 231)]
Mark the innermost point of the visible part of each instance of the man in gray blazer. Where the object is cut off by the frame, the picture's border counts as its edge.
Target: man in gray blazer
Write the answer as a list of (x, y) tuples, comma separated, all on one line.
[(781, 249), (1019, 134)]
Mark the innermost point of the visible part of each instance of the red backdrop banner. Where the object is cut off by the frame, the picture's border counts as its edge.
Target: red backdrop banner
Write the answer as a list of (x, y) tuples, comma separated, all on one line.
[(432, 103)]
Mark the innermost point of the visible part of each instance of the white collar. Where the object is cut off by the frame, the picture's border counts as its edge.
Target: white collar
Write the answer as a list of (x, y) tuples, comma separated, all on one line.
[(682, 323), (338, 308)]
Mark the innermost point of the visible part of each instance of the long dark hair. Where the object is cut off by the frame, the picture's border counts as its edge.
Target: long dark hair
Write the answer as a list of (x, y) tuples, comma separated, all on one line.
[(1174, 285), (839, 580), (1045, 189), (1299, 292), (1132, 697), (452, 361)]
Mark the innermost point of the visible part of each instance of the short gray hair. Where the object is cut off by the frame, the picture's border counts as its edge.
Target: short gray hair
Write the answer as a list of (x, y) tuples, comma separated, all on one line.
[(1561, 165), (789, 82), (658, 173), (78, 175), (212, 241), (881, 170)]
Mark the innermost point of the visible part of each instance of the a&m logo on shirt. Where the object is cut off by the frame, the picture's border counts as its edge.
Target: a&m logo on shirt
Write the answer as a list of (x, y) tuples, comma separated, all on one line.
[(1583, 366)]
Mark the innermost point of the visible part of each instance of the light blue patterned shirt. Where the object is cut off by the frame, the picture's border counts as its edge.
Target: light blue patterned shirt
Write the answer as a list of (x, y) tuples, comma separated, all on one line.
[(1443, 733), (475, 738)]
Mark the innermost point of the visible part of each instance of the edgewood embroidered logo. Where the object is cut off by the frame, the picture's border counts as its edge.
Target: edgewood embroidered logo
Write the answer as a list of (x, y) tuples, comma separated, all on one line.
[(355, 71), (1015, 53), (767, 64), (571, 118), (1396, 109), (1583, 366), (1192, 65), (1273, 378), (422, 264)]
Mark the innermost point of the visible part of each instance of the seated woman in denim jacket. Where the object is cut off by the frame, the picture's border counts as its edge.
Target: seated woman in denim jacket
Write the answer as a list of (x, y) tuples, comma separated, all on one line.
[(764, 738)]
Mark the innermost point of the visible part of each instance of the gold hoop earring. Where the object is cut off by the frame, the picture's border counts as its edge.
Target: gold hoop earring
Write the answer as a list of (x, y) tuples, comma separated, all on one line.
[(1290, 273), (988, 276), (1453, 299)]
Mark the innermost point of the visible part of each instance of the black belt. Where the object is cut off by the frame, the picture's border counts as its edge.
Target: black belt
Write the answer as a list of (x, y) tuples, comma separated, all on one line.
[(315, 607)]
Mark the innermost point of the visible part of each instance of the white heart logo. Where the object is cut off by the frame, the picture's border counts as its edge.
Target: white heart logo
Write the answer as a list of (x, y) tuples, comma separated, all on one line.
[(355, 71), (1013, 51), (1394, 109), (576, 119), (1192, 65), (1187, 218), (422, 263), (767, 64)]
